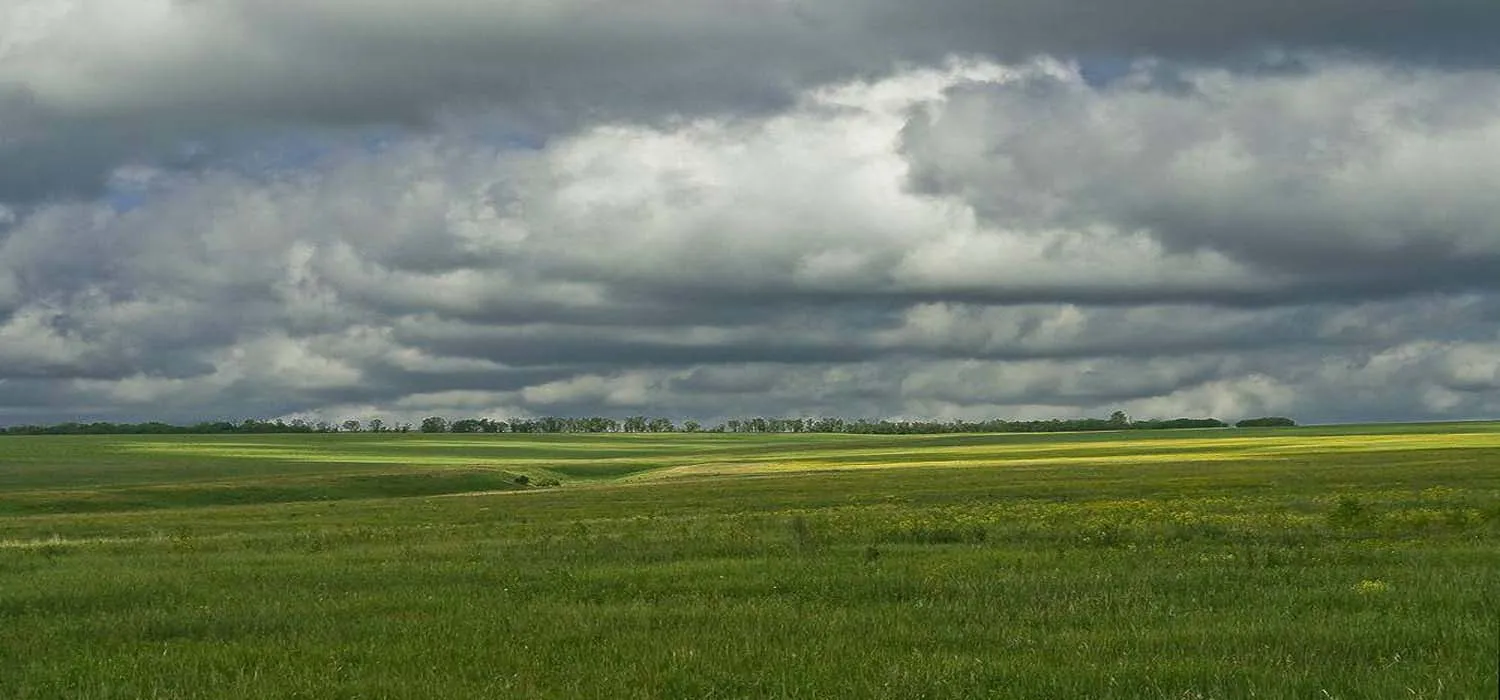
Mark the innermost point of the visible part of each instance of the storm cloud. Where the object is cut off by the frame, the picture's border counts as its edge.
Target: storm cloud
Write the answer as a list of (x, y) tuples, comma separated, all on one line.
[(1016, 209)]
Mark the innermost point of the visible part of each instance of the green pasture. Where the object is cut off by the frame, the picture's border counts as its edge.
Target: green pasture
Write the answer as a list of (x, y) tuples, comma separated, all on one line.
[(1333, 562)]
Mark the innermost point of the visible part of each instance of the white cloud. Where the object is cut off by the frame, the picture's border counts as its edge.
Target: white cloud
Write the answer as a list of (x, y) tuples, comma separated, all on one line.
[(29, 340), (1473, 366), (623, 390), (1357, 172)]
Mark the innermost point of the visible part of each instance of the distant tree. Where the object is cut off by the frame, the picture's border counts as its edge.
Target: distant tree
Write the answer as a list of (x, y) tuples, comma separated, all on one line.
[(638, 424), (1178, 423), (828, 425), (1266, 422), (466, 425)]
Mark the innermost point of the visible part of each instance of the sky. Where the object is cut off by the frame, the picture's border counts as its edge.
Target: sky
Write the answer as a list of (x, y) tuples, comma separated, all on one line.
[(952, 209)]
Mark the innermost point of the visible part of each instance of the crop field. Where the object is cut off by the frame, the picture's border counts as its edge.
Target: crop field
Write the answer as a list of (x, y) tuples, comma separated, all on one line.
[(1343, 562)]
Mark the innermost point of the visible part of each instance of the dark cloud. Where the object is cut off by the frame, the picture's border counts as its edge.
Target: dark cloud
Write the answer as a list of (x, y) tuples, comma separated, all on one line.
[(89, 85), (1444, 30)]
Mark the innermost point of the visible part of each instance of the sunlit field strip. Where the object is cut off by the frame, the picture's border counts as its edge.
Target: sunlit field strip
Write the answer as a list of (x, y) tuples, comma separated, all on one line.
[(748, 468), (491, 450)]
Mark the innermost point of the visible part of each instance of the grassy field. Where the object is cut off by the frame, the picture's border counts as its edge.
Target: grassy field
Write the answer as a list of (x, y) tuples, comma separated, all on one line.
[(1350, 562)]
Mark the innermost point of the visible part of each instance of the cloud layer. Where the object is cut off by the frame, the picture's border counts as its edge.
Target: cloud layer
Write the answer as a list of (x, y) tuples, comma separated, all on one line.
[(964, 241), (855, 207), (86, 85)]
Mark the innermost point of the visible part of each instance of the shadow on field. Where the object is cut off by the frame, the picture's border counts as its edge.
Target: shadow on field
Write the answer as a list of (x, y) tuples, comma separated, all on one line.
[(336, 487)]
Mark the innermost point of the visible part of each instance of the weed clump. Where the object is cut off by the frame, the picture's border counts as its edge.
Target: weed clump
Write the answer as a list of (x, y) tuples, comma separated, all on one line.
[(802, 534), (944, 534), (1349, 512)]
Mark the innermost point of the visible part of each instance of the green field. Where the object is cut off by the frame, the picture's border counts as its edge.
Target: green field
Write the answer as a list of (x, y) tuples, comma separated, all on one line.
[(1349, 562)]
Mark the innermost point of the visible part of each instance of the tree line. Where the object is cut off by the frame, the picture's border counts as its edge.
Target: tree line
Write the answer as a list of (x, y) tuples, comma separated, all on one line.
[(643, 424)]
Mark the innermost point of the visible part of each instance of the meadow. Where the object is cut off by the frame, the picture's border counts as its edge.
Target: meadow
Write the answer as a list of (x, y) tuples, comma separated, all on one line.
[(1327, 562)]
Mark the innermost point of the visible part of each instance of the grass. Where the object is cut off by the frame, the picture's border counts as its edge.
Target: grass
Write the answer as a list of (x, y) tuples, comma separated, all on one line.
[(1320, 562)]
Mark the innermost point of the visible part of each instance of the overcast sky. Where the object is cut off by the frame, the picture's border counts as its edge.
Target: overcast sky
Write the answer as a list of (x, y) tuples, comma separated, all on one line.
[(718, 208)]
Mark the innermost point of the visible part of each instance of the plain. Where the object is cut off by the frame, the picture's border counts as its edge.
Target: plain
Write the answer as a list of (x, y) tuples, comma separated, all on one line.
[(1342, 562)]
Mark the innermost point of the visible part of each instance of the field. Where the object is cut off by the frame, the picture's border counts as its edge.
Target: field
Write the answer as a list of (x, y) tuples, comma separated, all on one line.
[(1349, 562)]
